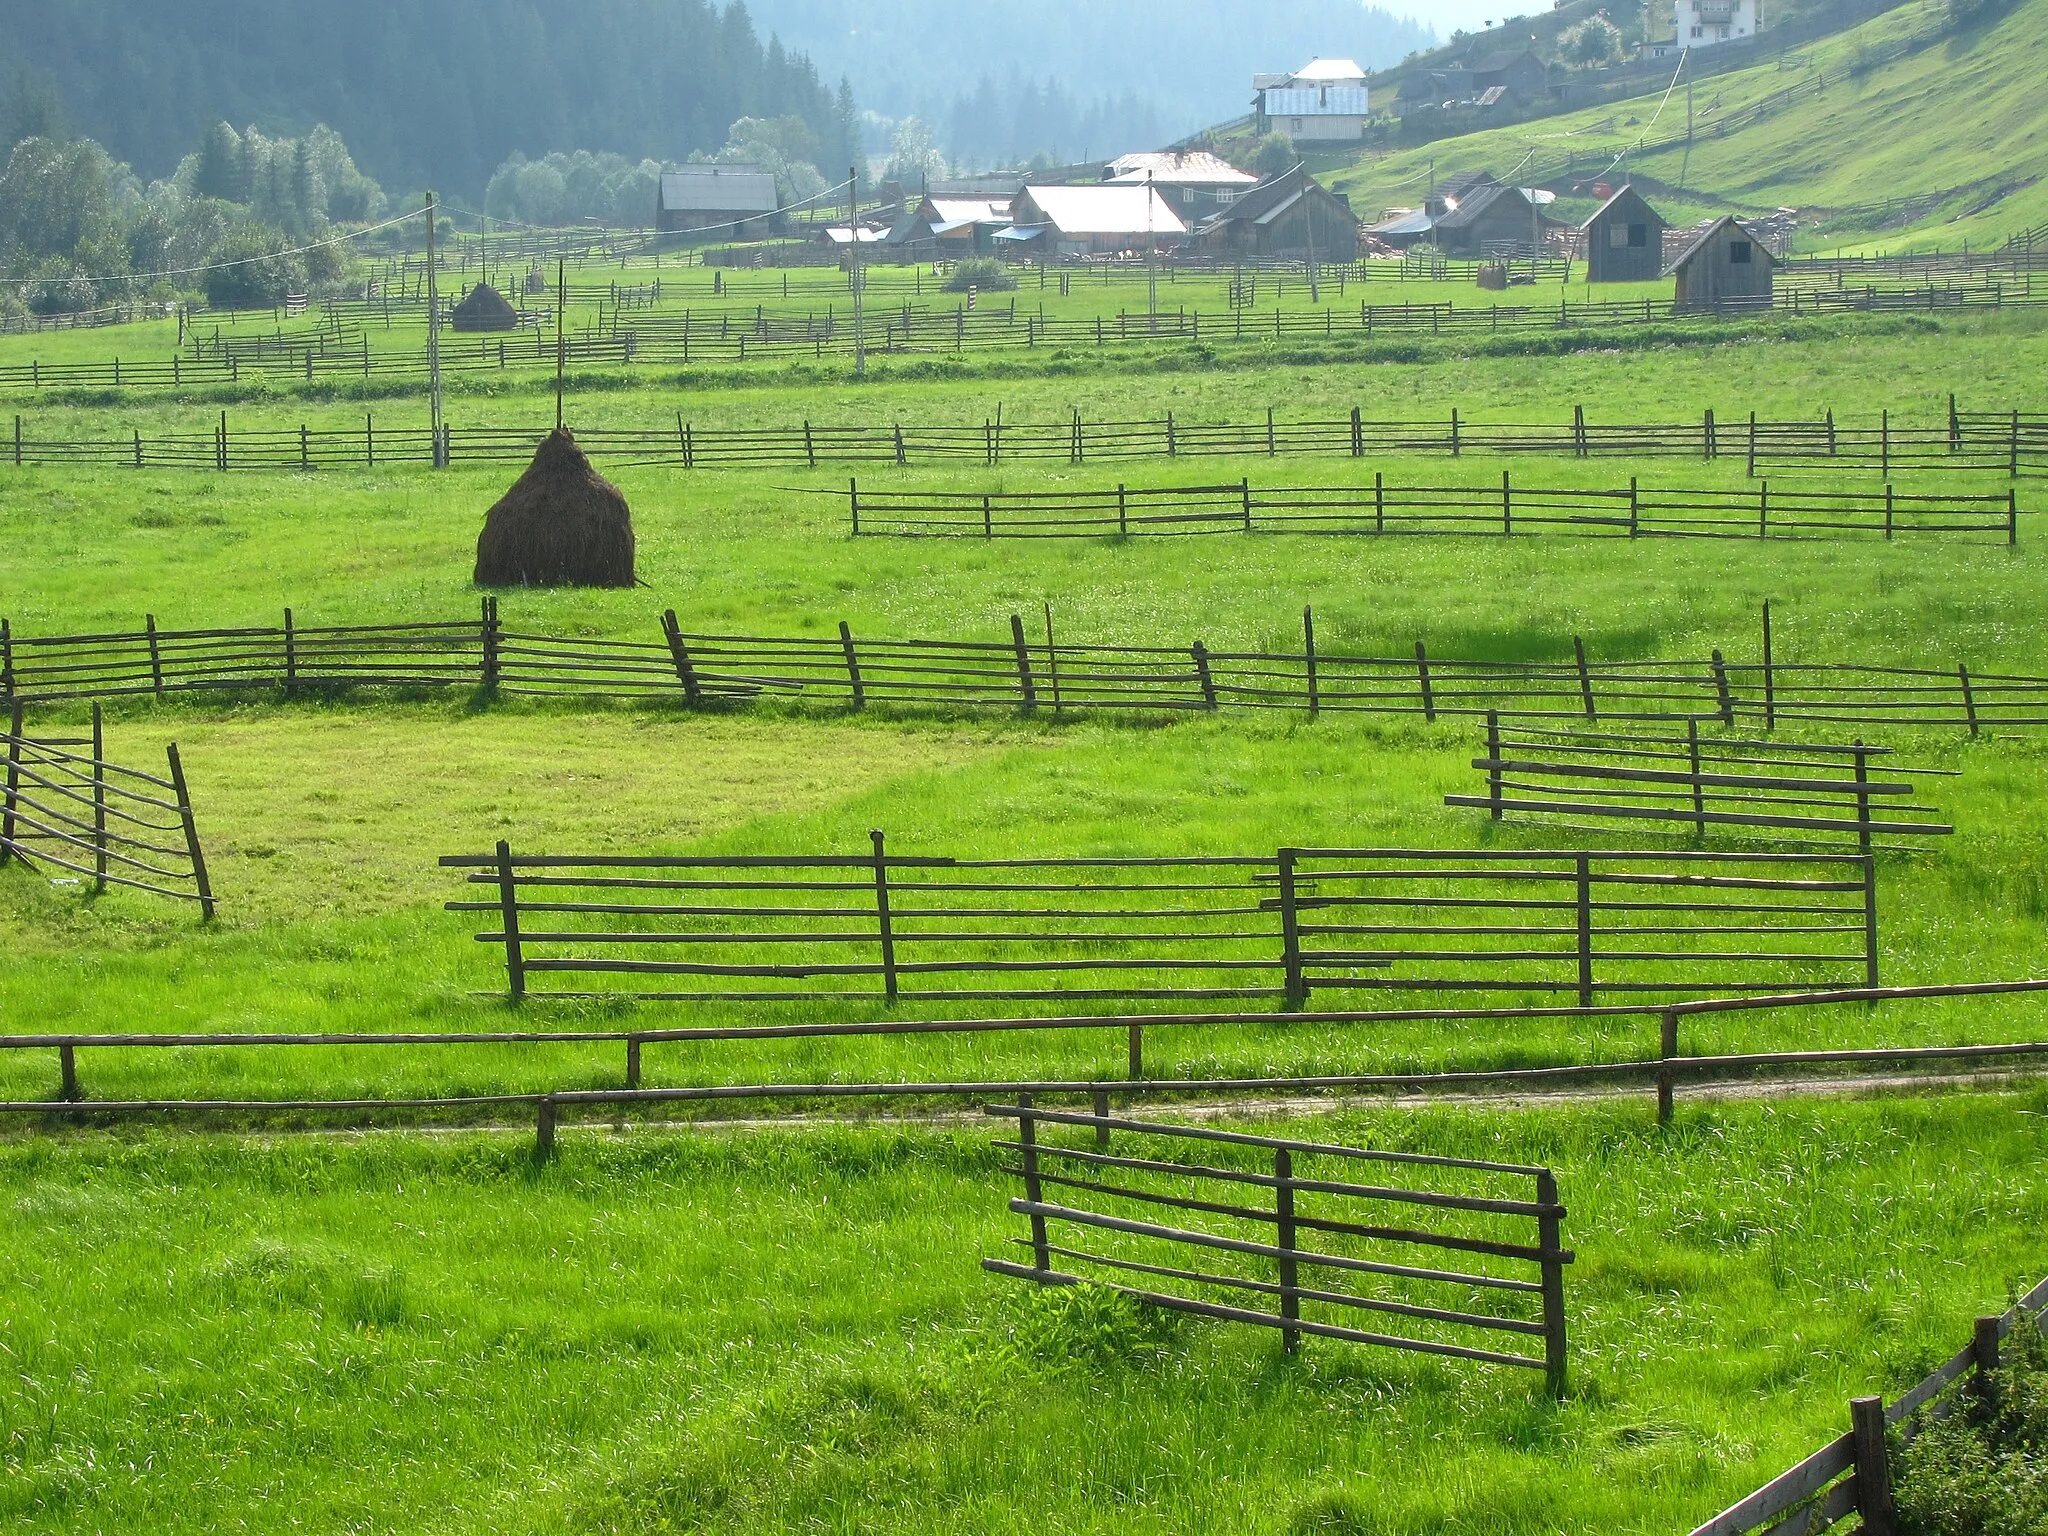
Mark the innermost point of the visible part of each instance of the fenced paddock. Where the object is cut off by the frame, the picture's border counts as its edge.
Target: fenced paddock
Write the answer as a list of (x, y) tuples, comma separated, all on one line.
[(1291, 1222), (896, 928), (1020, 673), (1853, 1474), (1759, 788), (102, 823), (1504, 509)]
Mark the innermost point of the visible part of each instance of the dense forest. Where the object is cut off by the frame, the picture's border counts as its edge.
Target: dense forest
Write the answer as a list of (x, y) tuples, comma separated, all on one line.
[(439, 94), (1076, 78)]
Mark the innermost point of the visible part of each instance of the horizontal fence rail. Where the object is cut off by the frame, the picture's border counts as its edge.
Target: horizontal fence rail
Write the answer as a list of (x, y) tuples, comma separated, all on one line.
[(2008, 443), (100, 822), (1021, 672), (1665, 1069), (829, 927), (1754, 787), (1853, 1474), (1332, 1237), (1504, 509)]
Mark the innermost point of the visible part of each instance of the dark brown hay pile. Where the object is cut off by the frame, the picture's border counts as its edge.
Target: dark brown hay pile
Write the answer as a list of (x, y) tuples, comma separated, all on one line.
[(561, 525), (485, 309)]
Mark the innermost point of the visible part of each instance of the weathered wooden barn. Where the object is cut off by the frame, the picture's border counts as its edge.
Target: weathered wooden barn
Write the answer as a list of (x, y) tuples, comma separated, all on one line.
[(723, 202), (1290, 215), (1624, 240), (1724, 263), (1489, 219)]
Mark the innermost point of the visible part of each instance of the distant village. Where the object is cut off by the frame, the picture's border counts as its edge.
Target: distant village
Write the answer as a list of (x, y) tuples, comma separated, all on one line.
[(1194, 204)]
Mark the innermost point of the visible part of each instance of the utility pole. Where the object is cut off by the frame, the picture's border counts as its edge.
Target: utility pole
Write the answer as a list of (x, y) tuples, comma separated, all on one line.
[(434, 341), (860, 343), (1308, 212), (1151, 260), (561, 338)]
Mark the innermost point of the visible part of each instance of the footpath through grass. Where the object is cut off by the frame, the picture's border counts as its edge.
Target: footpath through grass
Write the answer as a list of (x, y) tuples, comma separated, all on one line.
[(775, 1332)]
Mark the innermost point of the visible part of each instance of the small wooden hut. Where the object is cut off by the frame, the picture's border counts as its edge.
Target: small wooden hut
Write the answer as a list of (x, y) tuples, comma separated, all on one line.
[(485, 309), (1723, 264), (1624, 240)]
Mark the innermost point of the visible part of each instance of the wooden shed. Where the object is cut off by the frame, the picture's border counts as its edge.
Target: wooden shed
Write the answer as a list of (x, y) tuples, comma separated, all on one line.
[(1624, 241), (1722, 264)]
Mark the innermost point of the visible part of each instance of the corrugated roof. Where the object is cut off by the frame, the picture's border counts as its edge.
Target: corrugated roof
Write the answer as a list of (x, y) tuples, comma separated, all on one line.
[(1329, 71), (1413, 222), (718, 189), (1107, 209), (1192, 168), (1318, 101), (969, 210)]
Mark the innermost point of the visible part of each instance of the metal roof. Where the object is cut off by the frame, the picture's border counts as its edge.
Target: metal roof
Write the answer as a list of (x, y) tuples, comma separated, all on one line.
[(1105, 209), (718, 189), (1179, 168), (968, 210), (1317, 101), (1330, 72)]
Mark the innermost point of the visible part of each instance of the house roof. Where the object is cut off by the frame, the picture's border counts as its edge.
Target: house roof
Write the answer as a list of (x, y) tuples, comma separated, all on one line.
[(1478, 201), (841, 234), (1455, 189), (951, 211), (1329, 72), (1413, 222), (1624, 191), (718, 189), (1706, 232), (1180, 168), (1265, 202), (1494, 62), (1103, 209)]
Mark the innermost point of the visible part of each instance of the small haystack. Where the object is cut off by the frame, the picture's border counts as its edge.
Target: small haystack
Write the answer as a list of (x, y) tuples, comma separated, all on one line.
[(485, 309), (561, 525)]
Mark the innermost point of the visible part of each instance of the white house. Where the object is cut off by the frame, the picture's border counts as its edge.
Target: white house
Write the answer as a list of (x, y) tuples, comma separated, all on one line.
[(1100, 218), (1702, 23), (1325, 99)]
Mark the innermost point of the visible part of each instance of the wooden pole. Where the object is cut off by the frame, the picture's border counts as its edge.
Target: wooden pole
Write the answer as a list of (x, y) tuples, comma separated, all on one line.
[(561, 336), (1308, 640), (1873, 1466), (884, 925), (1550, 1238), (434, 339), (1283, 1210), (199, 880), (99, 802), (508, 911)]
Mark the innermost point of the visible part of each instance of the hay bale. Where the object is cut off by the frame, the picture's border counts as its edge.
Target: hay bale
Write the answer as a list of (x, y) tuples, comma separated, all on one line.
[(485, 309), (561, 525)]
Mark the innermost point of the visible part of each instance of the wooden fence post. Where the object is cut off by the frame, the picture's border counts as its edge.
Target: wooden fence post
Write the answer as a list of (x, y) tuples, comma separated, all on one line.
[(1308, 641), (1027, 1138), (2012, 517), (1584, 868), (67, 1074), (7, 815), (860, 693), (1357, 435), (1873, 1466), (1752, 445), (1770, 677), (1245, 492), (632, 1061), (1707, 435), (490, 637), (1667, 1043), (99, 801), (1869, 921), (1379, 501), (6, 658), (1884, 443), (1422, 676), (1550, 1238), (544, 1129), (1283, 1210), (884, 923), (508, 912), (1027, 691), (1862, 795), (1969, 697), (1454, 432), (192, 848), (679, 654), (853, 501), (1984, 1339), (1507, 512), (1763, 510), (1296, 990), (1585, 676), (1493, 772), (1200, 653), (291, 655), (1955, 426), (1135, 1070), (156, 657), (1721, 689), (2013, 458)]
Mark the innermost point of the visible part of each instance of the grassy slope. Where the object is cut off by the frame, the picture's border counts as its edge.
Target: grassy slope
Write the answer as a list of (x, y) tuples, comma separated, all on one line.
[(783, 1333), (1966, 108)]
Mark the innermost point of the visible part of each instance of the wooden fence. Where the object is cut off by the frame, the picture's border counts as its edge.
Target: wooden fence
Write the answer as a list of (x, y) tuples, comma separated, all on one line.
[(1756, 786), (1992, 442), (1281, 926), (1505, 509), (1853, 1474), (1021, 672), (977, 330), (100, 821), (1320, 1244)]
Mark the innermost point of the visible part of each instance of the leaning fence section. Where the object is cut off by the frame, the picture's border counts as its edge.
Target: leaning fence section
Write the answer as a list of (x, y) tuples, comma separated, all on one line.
[(101, 823), (1451, 1257), (1752, 788), (886, 928), (1853, 1474)]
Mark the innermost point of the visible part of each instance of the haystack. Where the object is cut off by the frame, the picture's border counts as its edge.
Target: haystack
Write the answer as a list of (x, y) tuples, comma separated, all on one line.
[(561, 525), (485, 309)]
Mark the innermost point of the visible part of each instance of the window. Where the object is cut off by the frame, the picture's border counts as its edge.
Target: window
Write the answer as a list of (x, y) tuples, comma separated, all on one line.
[(1738, 252), (1699, 31), (1638, 236), (1617, 236), (1297, 126)]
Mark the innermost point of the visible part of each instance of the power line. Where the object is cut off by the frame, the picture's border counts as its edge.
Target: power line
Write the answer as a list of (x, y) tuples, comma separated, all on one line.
[(240, 261)]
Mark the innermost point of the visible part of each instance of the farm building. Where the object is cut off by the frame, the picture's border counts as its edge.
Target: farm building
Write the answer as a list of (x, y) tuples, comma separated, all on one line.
[(1194, 183), (1290, 215), (1624, 240), (1723, 263), (485, 309), (1100, 219), (1490, 219), (1502, 80), (1324, 99), (727, 202), (951, 226)]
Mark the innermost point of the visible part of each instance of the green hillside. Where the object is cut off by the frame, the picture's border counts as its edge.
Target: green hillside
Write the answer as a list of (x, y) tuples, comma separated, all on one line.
[(1929, 99)]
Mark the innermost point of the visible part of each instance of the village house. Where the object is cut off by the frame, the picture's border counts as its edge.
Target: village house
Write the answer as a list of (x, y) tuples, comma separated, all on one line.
[(1102, 219), (1623, 241), (1723, 263), (1194, 183), (950, 228), (1326, 99), (724, 202), (1290, 215)]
